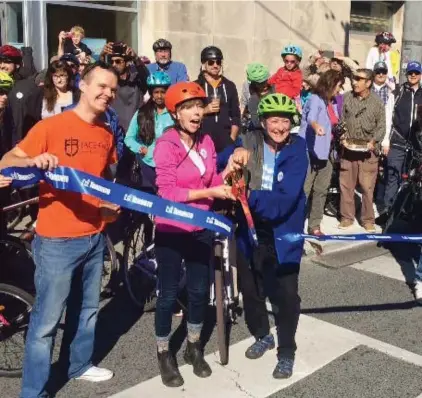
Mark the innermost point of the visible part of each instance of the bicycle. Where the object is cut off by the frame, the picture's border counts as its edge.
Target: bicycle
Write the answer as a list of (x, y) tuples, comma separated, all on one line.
[(15, 307), (140, 270)]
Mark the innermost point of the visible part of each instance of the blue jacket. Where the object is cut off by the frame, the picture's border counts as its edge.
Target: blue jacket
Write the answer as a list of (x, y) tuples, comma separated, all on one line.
[(283, 208), (110, 119), (176, 70)]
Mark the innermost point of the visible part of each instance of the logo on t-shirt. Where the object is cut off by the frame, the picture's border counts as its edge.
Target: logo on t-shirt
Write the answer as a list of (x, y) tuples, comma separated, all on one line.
[(203, 153), (71, 146), (280, 176)]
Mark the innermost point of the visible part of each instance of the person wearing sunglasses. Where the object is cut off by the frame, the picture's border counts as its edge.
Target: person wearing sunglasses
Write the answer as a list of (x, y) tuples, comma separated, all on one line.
[(364, 119), (402, 133), (288, 79), (132, 79), (222, 113), (176, 70), (383, 90)]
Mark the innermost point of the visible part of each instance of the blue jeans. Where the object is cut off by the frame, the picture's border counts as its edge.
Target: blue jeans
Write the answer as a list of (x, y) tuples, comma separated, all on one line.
[(59, 263), (170, 249)]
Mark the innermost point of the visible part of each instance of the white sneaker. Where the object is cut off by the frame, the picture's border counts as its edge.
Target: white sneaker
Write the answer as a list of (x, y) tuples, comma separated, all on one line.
[(418, 292), (95, 374)]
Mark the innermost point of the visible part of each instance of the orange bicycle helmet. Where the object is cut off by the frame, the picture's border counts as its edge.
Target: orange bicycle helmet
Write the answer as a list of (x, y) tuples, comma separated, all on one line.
[(181, 92)]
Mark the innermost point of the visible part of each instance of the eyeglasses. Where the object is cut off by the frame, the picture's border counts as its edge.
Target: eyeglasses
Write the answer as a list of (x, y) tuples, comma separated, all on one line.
[(359, 78), (59, 76), (117, 61), (211, 62), (381, 72)]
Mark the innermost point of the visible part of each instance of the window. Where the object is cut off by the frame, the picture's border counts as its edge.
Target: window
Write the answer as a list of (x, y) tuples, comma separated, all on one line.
[(102, 25), (13, 23), (371, 16)]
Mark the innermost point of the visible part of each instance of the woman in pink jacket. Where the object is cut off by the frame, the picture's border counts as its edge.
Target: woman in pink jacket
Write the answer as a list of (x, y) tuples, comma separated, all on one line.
[(185, 162)]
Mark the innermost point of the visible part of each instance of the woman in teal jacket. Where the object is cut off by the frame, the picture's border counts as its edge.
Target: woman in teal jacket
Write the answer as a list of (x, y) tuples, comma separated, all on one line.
[(147, 125), (276, 162)]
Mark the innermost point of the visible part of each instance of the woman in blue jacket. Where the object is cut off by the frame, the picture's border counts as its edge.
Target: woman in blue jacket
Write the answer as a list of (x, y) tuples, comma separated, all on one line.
[(276, 163), (319, 116), (147, 125)]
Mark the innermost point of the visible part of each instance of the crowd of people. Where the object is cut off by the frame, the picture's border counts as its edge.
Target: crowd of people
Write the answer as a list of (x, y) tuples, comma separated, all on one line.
[(147, 126)]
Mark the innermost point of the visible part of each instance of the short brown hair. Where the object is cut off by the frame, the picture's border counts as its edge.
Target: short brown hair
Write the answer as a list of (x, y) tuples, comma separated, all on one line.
[(327, 82)]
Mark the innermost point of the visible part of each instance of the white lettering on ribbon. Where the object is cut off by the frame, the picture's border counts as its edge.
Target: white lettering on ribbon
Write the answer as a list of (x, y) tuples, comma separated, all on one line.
[(138, 201), (57, 177)]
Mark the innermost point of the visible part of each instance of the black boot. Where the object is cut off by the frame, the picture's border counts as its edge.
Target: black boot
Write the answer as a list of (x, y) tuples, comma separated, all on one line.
[(170, 374), (195, 356)]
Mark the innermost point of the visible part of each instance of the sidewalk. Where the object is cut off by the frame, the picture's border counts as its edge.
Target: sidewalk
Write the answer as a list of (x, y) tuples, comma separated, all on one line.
[(329, 227)]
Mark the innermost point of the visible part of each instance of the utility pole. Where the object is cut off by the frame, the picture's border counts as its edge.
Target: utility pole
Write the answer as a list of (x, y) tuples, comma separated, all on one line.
[(412, 38)]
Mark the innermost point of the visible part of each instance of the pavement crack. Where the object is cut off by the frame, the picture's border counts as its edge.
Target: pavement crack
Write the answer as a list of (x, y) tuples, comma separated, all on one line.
[(240, 388)]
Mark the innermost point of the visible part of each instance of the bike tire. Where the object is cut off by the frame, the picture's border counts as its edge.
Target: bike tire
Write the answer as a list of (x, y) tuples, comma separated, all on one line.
[(221, 316), (398, 206), (110, 269), (28, 300), (140, 286), (332, 205)]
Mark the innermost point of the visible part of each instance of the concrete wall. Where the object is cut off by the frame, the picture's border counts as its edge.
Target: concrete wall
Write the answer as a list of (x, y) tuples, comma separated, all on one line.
[(246, 31)]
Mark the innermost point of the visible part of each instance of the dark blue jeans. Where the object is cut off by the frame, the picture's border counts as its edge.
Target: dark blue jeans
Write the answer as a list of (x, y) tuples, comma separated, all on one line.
[(57, 262), (171, 248), (393, 174)]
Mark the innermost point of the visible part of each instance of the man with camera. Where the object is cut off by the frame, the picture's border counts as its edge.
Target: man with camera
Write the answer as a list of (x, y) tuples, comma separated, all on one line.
[(132, 79)]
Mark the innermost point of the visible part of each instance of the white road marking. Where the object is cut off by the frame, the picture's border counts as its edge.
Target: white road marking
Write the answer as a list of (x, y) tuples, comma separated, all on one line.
[(319, 343)]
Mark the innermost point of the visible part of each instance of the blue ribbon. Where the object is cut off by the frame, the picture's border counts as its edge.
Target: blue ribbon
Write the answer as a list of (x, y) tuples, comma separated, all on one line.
[(295, 237), (69, 179)]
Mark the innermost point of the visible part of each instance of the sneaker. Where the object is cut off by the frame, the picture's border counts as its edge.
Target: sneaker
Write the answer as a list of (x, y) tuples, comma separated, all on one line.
[(258, 349), (417, 291), (95, 374), (369, 227), (284, 368), (344, 224)]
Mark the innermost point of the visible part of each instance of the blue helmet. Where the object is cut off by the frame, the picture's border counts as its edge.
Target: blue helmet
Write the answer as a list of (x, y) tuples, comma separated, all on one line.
[(158, 79), (292, 50)]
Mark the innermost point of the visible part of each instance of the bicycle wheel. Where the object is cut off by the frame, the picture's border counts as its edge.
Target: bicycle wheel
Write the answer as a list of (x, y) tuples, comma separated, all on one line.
[(140, 268), (15, 307), (400, 204), (110, 269), (14, 217), (221, 309)]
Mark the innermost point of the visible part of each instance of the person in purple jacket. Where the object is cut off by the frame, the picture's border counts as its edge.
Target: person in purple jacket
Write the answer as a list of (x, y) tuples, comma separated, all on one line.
[(319, 116), (185, 164)]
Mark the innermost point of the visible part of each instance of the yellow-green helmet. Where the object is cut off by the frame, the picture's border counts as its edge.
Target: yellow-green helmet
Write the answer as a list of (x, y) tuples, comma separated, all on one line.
[(257, 73), (6, 81), (278, 104)]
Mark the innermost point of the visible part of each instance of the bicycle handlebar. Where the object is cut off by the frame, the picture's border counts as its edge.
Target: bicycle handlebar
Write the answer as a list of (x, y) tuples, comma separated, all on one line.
[(19, 205)]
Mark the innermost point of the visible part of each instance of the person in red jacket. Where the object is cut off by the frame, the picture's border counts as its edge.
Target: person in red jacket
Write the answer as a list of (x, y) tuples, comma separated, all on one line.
[(288, 79)]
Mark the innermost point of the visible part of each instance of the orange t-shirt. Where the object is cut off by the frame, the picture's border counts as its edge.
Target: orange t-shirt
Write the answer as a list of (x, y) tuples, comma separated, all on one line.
[(83, 146)]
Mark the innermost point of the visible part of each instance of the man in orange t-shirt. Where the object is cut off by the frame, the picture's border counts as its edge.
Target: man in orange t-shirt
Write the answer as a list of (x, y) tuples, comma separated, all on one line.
[(69, 240)]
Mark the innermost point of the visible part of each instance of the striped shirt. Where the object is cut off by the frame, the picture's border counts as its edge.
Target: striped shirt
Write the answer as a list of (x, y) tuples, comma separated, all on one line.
[(364, 118)]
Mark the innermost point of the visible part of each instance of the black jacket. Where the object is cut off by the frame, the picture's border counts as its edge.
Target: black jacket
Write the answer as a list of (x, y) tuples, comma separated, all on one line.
[(218, 126), (405, 115), (70, 48), (130, 93)]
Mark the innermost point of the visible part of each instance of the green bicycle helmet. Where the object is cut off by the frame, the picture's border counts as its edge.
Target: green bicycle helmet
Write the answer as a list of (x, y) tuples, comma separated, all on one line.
[(6, 81), (278, 104), (257, 73)]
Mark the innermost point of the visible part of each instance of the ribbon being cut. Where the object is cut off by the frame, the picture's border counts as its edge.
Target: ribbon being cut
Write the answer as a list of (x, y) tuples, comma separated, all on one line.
[(69, 179)]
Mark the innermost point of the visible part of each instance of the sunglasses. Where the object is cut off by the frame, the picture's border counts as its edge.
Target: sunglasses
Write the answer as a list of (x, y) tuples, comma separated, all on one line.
[(211, 62), (116, 61), (289, 62), (381, 72), (359, 78), (413, 73)]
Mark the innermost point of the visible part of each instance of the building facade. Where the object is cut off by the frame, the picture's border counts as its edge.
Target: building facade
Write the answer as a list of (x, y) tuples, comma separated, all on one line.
[(246, 31)]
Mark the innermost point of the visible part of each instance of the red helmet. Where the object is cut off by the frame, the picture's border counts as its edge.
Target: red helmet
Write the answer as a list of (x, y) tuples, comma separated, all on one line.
[(181, 92), (11, 53)]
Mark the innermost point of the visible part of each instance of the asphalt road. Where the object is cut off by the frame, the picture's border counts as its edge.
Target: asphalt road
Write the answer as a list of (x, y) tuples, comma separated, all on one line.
[(359, 336)]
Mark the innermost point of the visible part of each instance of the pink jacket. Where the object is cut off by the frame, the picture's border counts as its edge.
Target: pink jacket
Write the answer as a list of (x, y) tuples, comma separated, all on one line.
[(177, 174)]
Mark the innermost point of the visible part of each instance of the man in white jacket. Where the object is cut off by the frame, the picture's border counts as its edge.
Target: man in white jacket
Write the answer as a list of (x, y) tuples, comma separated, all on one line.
[(383, 90)]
